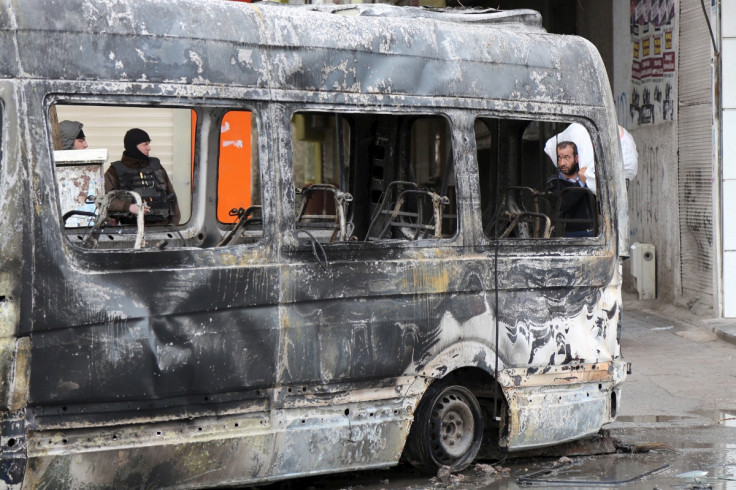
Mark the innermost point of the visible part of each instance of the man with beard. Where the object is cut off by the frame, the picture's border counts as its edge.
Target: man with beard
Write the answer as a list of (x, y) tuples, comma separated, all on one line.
[(573, 199), (139, 172)]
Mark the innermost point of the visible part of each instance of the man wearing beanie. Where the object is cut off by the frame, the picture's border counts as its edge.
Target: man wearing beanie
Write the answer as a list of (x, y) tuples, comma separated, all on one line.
[(72, 136), (136, 171)]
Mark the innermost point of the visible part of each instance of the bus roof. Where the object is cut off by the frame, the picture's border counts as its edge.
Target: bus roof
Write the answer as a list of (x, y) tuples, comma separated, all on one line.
[(355, 49)]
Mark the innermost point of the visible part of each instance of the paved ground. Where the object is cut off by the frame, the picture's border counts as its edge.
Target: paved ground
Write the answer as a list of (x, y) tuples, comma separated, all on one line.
[(680, 400), (725, 329), (679, 361)]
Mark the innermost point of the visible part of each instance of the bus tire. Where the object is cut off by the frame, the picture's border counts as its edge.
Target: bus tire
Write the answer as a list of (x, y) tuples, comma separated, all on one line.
[(447, 430)]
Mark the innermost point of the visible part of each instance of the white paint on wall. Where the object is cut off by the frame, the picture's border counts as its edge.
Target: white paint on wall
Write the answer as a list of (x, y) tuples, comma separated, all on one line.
[(728, 18), (729, 221), (728, 82), (728, 57), (729, 287), (729, 144)]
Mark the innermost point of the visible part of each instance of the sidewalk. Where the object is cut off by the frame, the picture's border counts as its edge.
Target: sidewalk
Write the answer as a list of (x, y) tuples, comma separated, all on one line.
[(723, 328)]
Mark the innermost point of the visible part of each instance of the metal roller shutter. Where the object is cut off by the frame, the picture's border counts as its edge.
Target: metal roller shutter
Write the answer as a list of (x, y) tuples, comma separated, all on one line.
[(106, 128), (695, 144)]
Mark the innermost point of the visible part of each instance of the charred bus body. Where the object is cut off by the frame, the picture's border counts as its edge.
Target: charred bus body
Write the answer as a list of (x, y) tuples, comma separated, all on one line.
[(393, 278)]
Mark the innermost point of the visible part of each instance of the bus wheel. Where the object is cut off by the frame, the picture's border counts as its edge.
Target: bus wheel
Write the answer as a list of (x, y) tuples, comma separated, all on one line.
[(447, 430)]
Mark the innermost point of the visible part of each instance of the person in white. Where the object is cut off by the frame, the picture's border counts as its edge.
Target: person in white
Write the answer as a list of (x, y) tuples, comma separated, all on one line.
[(577, 133)]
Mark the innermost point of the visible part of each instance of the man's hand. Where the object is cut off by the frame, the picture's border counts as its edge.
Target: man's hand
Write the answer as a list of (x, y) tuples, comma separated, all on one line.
[(134, 208), (581, 174)]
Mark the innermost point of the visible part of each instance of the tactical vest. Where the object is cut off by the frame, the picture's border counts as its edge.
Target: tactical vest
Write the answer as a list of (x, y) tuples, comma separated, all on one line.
[(150, 183)]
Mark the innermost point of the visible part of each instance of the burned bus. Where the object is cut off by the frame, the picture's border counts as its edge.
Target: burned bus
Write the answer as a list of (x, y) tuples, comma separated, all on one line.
[(369, 266)]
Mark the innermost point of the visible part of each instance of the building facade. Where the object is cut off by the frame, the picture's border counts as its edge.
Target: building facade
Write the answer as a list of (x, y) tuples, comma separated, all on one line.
[(681, 197)]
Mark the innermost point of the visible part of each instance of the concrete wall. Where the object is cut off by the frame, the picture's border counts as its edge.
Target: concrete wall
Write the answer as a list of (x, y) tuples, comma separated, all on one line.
[(653, 194), (728, 60), (593, 22), (654, 206)]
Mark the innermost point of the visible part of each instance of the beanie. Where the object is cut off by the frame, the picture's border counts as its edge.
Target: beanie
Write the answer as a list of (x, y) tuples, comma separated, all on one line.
[(133, 138)]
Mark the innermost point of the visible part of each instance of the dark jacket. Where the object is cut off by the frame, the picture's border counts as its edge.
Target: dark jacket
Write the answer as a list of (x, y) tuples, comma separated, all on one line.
[(152, 169), (574, 202)]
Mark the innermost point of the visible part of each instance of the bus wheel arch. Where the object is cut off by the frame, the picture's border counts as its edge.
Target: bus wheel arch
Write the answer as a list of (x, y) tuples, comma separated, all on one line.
[(447, 429), (459, 417)]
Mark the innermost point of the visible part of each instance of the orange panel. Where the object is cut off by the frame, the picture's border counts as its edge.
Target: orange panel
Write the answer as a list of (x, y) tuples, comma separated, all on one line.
[(234, 174)]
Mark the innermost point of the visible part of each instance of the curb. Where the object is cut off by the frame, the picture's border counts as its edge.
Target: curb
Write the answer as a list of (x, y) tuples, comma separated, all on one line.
[(723, 328)]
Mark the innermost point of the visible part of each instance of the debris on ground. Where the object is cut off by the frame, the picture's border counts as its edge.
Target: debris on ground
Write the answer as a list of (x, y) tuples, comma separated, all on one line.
[(643, 447), (482, 469), (444, 474)]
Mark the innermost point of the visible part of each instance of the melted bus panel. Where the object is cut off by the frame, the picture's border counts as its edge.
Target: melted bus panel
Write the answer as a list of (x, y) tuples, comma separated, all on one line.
[(365, 254)]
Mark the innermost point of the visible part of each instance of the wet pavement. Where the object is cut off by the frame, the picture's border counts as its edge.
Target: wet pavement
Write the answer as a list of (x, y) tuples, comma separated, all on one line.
[(676, 427)]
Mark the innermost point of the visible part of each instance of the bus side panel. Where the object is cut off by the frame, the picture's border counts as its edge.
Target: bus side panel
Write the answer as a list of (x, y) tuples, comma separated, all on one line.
[(559, 311), (147, 336), (225, 450), (383, 321), (16, 245), (390, 318)]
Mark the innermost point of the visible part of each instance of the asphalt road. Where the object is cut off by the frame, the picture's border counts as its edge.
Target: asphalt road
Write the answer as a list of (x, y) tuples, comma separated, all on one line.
[(676, 425), (680, 398)]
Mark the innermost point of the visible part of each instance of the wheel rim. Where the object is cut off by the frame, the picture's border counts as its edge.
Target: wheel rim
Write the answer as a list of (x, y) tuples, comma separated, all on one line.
[(452, 427)]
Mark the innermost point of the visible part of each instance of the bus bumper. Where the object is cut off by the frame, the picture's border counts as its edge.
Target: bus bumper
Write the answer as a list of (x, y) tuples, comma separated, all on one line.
[(12, 448), (557, 404)]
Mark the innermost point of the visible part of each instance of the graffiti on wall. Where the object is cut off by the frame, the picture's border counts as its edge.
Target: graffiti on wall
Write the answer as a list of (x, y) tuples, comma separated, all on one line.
[(698, 216), (646, 214), (622, 110), (653, 83)]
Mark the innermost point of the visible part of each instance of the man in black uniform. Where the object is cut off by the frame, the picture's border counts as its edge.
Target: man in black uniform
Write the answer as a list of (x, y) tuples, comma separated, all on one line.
[(568, 186), (138, 172)]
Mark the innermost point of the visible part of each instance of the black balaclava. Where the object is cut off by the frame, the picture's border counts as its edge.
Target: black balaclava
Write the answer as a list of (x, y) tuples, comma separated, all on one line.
[(133, 138)]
